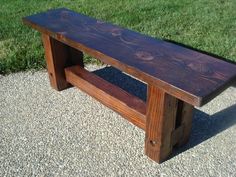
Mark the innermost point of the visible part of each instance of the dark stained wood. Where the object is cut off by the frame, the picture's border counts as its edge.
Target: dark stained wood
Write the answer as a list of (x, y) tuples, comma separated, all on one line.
[(188, 75), (177, 135), (184, 120), (178, 78), (58, 56), (129, 106), (160, 123)]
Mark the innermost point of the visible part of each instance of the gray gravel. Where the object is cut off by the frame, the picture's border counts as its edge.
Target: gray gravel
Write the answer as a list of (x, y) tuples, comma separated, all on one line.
[(48, 133)]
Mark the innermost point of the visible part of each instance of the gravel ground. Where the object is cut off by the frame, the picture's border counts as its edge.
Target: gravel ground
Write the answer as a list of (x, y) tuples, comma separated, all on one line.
[(48, 133)]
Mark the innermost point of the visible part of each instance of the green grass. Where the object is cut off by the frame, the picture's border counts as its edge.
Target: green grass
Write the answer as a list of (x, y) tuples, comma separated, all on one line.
[(208, 25)]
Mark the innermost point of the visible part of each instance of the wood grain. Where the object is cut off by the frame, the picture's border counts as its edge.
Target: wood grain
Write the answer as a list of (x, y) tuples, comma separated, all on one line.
[(177, 135), (58, 56), (178, 78), (184, 120), (188, 75), (160, 123), (129, 106)]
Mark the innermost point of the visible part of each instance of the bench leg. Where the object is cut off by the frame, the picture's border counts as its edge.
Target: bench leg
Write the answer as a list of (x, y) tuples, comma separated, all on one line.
[(58, 56), (161, 114), (168, 122), (184, 121)]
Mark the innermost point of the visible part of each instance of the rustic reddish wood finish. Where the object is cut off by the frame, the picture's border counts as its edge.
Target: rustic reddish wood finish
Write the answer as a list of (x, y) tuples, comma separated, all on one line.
[(129, 106), (178, 78), (58, 56), (160, 123), (184, 120), (189, 75), (168, 123)]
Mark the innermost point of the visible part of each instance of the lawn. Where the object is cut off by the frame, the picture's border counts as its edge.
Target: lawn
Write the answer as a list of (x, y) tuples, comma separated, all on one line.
[(208, 25)]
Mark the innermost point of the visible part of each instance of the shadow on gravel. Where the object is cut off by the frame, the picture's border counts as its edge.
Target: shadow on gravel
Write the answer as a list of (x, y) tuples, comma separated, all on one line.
[(126, 82), (234, 84), (204, 126)]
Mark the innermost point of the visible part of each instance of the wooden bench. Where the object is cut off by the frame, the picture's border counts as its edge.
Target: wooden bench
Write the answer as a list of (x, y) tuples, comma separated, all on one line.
[(177, 78)]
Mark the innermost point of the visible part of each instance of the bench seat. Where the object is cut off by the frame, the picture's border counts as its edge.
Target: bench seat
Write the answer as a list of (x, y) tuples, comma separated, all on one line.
[(189, 75)]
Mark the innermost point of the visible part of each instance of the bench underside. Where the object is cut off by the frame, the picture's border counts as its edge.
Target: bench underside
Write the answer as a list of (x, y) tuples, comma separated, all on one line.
[(130, 107), (165, 119)]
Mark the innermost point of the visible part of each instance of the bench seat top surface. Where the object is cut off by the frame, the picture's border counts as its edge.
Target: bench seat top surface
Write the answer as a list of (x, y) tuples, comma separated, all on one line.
[(187, 74)]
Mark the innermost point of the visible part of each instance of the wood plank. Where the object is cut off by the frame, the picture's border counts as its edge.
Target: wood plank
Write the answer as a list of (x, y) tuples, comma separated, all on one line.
[(160, 123), (184, 120), (58, 56), (188, 75), (177, 135), (129, 106)]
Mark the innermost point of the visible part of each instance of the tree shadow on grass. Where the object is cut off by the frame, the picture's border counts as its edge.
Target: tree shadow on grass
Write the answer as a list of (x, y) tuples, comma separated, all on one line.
[(204, 126)]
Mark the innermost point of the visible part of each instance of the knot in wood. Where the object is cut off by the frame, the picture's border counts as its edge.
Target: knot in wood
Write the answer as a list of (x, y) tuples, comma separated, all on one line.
[(201, 67), (116, 32), (144, 55), (100, 22), (64, 14)]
